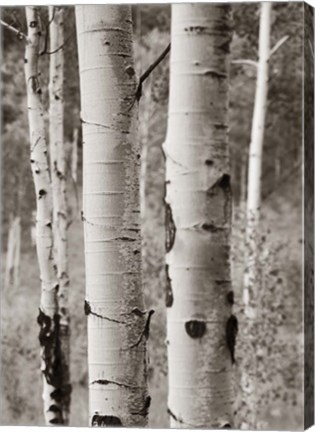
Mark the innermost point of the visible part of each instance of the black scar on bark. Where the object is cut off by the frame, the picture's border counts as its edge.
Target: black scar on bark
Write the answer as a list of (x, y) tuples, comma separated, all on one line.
[(195, 328), (231, 334), (105, 421), (230, 297), (145, 410), (209, 162), (41, 193), (227, 426), (130, 71), (170, 413), (33, 24), (196, 29), (169, 298), (170, 228), (223, 183), (49, 339)]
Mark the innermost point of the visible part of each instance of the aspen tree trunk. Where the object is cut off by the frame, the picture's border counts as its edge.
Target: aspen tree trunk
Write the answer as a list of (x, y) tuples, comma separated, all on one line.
[(198, 219), (251, 273), (58, 177), (74, 156), (48, 319), (10, 254), (118, 325), (243, 185), (17, 252), (145, 124)]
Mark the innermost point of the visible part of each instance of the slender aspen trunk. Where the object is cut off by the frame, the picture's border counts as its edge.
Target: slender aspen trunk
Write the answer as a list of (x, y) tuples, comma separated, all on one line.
[(145, 122), (59, 184), (243, 185), (198, 220), (48, 319), (251, 273), (10, 254), (17, 252), (74, 155), (118, 325)]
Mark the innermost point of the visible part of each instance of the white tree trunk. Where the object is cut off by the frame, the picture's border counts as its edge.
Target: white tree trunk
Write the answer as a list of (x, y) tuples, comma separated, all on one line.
[(58, 176), (48, 318), (198, 219), (74, 155), (117, 322), (251, 272)]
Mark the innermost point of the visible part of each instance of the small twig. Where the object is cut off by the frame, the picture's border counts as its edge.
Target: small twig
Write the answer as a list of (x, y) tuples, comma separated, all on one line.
[(61, 46), (278, 45), (245, 62), (19, 34), (147, 73), (47, 33)]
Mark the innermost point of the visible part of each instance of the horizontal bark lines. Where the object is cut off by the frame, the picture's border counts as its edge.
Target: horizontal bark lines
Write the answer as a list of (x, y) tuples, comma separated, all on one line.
[(49, 319), (198, 218), (118, 325)]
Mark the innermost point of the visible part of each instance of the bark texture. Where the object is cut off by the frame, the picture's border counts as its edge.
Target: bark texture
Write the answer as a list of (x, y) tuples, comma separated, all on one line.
[(48, 318), (198, 220), (58, 177), (118, 324), (251, 273)]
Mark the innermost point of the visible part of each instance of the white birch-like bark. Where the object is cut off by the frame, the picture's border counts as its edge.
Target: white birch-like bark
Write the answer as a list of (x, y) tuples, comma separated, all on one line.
[(58, 177), (117, 322), (48, 318), (198, 219), (74, 155), (251, 272)]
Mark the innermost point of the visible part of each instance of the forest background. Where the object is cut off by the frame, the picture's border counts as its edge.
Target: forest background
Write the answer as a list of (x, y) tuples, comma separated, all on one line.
[(281, 352)]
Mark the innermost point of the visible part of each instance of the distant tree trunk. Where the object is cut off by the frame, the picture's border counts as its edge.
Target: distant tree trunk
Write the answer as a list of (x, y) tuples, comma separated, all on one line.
[(251, 273), (10, 254), (198, 220), (118, 325), (17, 252), (48, 319), (59, 185), (243, 184), (144, 138), (74, 155)]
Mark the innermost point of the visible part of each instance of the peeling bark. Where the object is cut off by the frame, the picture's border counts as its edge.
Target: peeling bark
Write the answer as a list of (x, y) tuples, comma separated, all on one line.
[(117, 326), (49, 314), (198, 219)]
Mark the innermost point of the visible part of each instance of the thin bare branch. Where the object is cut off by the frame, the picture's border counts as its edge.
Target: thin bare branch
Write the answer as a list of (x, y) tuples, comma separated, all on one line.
[(278, 45), (245, 62), (19, 34)]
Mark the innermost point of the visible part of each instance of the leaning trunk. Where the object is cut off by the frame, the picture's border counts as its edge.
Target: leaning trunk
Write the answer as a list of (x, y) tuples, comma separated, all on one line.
[(49, 318), (118, 325), (198, 220), (251, 274), (58, 176)]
